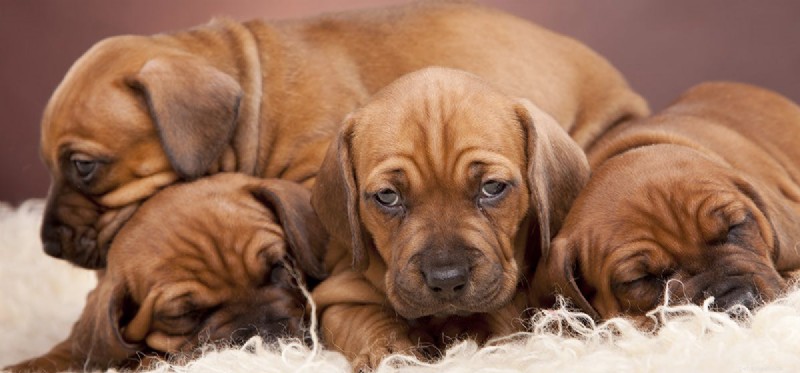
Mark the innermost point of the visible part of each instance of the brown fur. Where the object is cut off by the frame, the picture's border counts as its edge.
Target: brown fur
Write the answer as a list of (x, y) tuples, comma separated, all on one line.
[(436, 136), (218, 259), (705, 193), (266, 98)]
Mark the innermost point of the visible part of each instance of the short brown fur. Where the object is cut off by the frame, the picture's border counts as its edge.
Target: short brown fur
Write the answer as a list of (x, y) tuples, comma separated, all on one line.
[(215, 260), (436, 137), (266, 99), (706, 194)]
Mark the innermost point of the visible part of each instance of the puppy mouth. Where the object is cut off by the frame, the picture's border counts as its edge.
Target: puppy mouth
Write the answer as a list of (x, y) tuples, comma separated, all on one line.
[(86, 245), (413, 302)]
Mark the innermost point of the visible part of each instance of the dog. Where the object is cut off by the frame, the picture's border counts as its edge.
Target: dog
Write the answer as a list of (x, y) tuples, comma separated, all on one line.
[(437, 194), (137, 113), (701, 200), (220, 259)]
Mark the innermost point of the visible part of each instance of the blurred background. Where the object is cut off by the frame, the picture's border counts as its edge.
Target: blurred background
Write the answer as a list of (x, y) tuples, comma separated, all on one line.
[(662, 47)]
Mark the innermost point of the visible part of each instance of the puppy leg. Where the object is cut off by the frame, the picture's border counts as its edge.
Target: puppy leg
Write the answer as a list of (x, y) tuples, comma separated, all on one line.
[(365, 333), (58, 359)]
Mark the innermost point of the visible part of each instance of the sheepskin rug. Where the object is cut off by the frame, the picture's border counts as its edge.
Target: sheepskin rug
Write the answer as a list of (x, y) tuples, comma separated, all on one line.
[(41, 297)]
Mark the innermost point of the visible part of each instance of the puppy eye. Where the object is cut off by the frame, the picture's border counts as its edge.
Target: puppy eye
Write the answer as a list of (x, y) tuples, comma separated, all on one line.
[(278, 274), (648, 278), (387, 198), (493, 189), (85, 168), (734, 233)]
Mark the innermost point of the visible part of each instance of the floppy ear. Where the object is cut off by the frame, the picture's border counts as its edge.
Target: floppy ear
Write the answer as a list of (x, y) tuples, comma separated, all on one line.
[(335, 197), (194, 106), (97, 337), (305, 235), (558, 274), (557, 169), (777, 223)]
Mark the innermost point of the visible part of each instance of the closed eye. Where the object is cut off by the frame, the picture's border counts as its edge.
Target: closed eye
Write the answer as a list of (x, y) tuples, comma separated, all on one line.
[(184, 323), (733, 233), (645, 279)]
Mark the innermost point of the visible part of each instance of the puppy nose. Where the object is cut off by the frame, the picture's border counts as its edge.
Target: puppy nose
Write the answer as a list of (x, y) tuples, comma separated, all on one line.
[(51, 240), (729, 295), (446, 280), (53, 248)]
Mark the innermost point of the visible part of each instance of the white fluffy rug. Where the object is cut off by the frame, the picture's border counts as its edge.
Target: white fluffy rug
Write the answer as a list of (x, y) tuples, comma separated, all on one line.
[(41, 297)]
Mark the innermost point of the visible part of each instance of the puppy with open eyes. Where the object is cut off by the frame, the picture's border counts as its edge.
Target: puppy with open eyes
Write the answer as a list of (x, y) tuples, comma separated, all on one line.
[(219, 259), (707, 193), (438, 195), (137, 113)]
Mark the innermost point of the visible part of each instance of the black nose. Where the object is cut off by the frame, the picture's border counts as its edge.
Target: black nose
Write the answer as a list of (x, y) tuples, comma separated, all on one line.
[(446, 280), (730, 293), (53, 248), (51, 239)]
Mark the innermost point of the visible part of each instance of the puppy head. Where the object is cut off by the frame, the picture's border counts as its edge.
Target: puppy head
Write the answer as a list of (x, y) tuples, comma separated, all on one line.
[(661, 213), (131, 116), (436, 177), (211, 260)]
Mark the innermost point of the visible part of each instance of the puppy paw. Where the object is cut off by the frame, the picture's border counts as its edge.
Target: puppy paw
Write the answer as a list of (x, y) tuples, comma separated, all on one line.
[(369, 358)]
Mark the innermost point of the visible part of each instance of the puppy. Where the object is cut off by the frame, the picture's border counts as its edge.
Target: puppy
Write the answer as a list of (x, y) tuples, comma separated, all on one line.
[(137, 113), (219, 259), (705, 193), (437, 194)]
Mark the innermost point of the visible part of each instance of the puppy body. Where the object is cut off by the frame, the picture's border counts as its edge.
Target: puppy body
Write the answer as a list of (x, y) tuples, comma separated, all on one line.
[(137, 113), (218, 259), (437, 193), (705, 193)]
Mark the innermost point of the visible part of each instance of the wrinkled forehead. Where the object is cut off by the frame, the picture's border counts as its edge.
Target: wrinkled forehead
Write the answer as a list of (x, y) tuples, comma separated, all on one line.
[(656, 194), (211, 219), (440, 123), (93, 96)]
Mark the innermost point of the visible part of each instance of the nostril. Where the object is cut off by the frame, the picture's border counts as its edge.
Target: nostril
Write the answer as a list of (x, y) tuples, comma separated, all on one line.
[(53, 248), (51, 239), (447, 279), (736, 296)]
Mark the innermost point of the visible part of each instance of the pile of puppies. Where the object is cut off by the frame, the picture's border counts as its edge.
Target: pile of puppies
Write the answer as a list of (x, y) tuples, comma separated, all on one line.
[(424, 170)]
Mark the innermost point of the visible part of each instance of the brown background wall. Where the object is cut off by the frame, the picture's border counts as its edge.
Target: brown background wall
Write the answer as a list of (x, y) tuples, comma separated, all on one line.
[(663, 47)]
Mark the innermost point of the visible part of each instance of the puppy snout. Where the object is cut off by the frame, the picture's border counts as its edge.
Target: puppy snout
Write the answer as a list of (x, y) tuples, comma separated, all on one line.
[(51, 239), (729, 294), (446, 280)]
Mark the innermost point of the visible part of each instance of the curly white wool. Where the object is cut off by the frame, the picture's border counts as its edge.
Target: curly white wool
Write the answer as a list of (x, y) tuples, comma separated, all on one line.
[(42, 297)]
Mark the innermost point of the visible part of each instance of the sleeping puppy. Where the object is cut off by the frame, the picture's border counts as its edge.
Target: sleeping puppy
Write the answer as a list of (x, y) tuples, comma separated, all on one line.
[(219, 259), (137, 113), (437, 193), (705, 193)]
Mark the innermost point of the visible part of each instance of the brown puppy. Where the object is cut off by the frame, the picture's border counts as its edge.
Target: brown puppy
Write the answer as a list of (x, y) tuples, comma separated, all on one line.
[(213, 260), (437, 195), (137, 113), (705, 193)]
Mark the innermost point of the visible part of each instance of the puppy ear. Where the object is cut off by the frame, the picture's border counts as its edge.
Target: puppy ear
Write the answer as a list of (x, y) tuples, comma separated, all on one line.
[(557, 169), (558, 273), (194, 106), (305, 235), (335, 193), (97, 337), (776, 223)]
